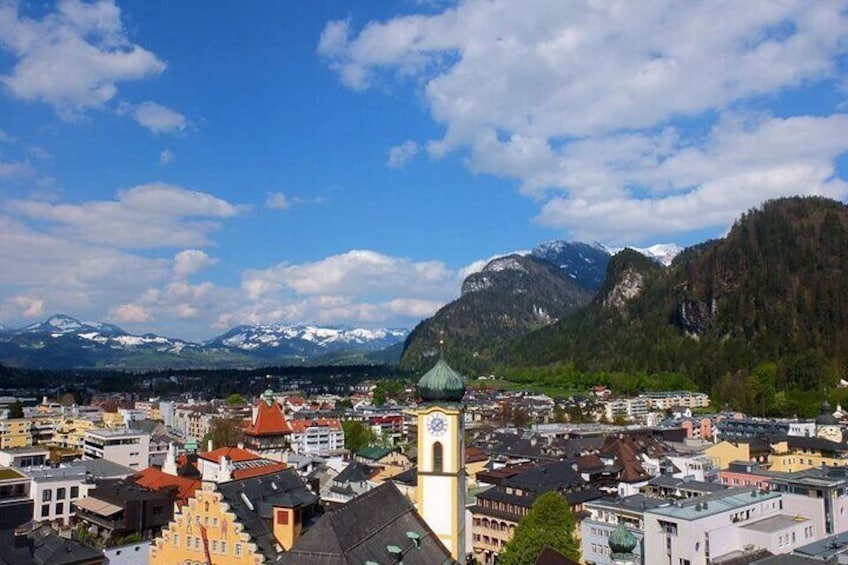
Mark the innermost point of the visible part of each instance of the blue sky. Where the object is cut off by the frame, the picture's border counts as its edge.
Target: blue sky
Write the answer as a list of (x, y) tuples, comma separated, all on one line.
[(185, 167)]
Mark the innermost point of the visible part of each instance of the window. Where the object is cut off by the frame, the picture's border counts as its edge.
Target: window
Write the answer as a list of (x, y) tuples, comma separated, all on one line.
[(46, 495), (238, 550), (282, 518), (224, 547), (438, 457), (45, 510), (74, 492), (60, 493), (60, 508), (176, 540)]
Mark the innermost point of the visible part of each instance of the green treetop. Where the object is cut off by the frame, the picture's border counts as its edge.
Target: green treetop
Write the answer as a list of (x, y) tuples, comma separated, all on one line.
[(549, 522)]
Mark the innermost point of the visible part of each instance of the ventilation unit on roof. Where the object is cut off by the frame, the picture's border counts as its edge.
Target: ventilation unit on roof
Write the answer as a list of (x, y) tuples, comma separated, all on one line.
[(247, 501)]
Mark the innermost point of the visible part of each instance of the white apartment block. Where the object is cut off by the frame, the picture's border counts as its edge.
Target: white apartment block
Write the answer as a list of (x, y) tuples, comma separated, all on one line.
[(668, 399), (126, 447), (630, 408), (314, 437), (54, 489), (704, 529)]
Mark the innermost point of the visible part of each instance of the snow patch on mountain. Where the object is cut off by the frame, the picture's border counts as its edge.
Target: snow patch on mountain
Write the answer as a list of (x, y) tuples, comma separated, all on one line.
[(271, 336), (663, 253)]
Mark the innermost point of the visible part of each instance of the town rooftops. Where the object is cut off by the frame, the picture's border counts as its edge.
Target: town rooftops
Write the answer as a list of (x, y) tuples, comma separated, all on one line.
[(155, 479), (253, 500), (686, 484), (637, 503), (44, 546), (378, 526), (825, 549), (709, 504)]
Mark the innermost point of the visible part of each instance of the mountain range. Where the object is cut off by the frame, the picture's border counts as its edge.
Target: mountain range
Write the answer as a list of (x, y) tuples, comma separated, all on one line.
[(759, 317), (64, 342)]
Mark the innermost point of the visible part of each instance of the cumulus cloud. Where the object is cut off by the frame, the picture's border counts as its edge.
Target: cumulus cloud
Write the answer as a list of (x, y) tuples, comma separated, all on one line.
[(361, 286), (74, 57), (160, 215), (277, 201), (155, 117), (585, 104), (402, 154), (191, 261)]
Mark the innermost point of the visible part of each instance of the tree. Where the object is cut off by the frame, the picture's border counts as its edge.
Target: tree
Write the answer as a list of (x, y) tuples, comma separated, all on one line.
[(235, 399), (357, 435), (224, 432), (549, 522), (16, 410)]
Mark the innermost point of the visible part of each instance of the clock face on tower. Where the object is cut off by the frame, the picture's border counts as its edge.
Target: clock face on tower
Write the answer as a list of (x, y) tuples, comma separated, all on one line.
[(437, 425)]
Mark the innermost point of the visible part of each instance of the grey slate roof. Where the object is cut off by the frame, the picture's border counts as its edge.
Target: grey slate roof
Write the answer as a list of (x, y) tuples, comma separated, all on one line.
[(45, 547), (283, 488), (104, 469), (362, 529)]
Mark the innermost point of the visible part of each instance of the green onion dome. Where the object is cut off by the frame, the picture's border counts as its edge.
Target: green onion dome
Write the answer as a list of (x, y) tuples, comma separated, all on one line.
[(622, 540), (441, 383)]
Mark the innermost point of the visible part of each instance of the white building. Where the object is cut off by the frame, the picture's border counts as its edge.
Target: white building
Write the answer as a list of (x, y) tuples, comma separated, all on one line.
[(665, 400), (630, 408), (126, 447), (703, 529), (313, 437), (54, 489)]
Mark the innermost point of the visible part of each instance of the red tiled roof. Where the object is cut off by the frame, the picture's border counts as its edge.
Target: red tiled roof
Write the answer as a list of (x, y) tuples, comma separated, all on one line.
[(155, 479), (270, 421), (235, 454), (300, 426)]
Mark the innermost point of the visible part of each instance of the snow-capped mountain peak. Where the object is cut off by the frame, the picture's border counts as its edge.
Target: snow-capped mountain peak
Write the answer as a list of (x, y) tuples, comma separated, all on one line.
[(663, 253), (307, 339)]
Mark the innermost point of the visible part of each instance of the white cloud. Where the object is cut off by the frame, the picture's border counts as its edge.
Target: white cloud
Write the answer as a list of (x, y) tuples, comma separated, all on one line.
[(359, 286), (146, 216), (4, 137), (166, 157), (581, 102), (130, 313), (737, 166), (191, 261), (361, 271), (74, 57), (155, 117), (277, 201), (402, 154), (9, 169)]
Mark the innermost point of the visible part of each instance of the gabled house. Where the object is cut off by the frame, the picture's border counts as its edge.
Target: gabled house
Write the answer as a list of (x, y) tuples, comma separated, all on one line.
[(380, 526)]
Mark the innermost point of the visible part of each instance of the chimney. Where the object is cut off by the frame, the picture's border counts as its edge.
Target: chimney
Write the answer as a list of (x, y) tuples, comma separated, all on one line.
[(170, 465), (254, 413), (209, 445), (225, 470)]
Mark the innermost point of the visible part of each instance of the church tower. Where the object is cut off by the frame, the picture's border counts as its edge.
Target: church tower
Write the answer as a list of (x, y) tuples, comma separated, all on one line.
[(827, 426), (441, 456)]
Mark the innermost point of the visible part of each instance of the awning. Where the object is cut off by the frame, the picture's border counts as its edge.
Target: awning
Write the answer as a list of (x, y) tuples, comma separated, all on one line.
[(97, 506)]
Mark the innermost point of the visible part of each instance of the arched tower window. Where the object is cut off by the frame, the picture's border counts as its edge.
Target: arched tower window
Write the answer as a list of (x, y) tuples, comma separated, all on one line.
[(438, 457)]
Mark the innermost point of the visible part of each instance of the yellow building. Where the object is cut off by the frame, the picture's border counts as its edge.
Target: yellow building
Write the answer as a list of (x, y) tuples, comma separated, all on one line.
[(113, 420), (15, 432), (70, 432), (800, 453), (205, 531), (243, 522), (724, 452)]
